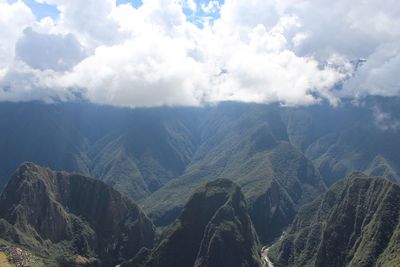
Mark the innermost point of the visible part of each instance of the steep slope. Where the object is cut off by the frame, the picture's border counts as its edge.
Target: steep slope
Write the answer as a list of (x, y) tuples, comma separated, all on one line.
[(141, 158), (214, 229), (159, 156), (39, 133), (359, 136), (140, 150), (68, 215), (355, 223), (134, 150), (249, 145)]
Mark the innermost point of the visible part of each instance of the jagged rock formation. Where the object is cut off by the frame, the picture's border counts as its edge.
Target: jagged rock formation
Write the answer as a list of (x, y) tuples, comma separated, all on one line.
[(282, 157), (355, 223), (41, 208), (214, 229)]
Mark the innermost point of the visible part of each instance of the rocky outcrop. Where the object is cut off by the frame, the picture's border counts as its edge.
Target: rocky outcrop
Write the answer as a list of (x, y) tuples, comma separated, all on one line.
[(355, 223), (214, 229), (91, 217)]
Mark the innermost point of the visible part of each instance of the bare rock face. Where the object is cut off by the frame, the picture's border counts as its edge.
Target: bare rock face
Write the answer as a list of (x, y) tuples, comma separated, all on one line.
[(214, 229), (94, 219), (355, 223)]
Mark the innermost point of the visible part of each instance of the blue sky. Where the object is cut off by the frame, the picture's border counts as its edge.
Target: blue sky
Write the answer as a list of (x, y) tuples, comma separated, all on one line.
[(42, 10), (135, 3), (39, 9), (291, 52)]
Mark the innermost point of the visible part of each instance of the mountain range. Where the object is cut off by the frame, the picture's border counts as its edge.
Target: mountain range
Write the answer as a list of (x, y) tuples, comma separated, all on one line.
[(61, 216), (70, 220), (355, 223), (153, 165)]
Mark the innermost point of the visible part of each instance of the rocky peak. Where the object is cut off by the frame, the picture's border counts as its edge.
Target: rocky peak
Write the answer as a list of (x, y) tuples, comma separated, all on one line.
[(214, 229), (58, 206)]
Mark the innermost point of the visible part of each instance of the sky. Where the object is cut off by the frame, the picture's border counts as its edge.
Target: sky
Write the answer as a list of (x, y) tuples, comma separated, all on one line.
[(145, 53)]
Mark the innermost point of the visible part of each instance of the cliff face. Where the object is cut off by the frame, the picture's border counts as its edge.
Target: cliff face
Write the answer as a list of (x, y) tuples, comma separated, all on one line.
[(356, 223), (214, 229), (95, 220)]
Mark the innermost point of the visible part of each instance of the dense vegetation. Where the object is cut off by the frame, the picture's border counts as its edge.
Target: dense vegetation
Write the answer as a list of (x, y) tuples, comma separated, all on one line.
[(281, 157), (355, 223), (139, 150), (214, 229), (63, 219), (250, 147), (66, 218)]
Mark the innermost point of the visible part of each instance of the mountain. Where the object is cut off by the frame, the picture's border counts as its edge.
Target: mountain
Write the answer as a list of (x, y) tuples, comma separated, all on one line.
[(355, 223), (214, 229), (67, 218), (282, 157), (145, 153), (360, 136), (249, 145), (134, 150)]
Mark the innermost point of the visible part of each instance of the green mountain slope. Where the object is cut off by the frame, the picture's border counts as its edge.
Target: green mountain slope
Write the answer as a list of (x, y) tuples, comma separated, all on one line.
[(355, 223), (349, 137), (280, 156), (63, 216), (275, 176), (136, 151), (140, 150), (214, 229)]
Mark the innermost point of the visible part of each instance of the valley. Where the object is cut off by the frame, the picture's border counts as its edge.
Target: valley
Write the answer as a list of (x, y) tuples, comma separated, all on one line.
[(155, 160), (199, 133)]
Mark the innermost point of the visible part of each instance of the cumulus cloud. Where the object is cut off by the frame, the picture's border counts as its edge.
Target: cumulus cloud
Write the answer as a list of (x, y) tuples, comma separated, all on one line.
[(89, 20), (23, 83), (13, 20), (379, 74), (140, 73), (212, 6), (292, 52), (49, 51)]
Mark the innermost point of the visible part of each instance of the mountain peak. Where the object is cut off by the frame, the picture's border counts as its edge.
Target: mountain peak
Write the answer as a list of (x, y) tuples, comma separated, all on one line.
[(355, 175), (356, 218), (214, 229), (61, 208)]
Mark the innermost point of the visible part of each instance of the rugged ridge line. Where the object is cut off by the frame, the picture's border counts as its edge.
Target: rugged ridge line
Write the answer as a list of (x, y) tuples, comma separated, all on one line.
[(355, 223), (87, 217), (214, 229)]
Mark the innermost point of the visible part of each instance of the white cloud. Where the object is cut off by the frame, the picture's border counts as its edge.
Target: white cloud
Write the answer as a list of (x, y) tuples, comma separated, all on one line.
[(49, 51), (212, 6), (90, 21), (148, 71), (189, 4), (379, 75), (293, 52), (13, 20), (384, 120), (22, 83)]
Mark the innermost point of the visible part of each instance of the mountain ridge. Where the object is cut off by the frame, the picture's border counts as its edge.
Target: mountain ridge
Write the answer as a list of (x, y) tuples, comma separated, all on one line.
[(214, 229), (49, 212), (355, 223)]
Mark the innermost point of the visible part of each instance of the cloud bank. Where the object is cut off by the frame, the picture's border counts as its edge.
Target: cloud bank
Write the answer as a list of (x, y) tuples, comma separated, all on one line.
[(185, 52)]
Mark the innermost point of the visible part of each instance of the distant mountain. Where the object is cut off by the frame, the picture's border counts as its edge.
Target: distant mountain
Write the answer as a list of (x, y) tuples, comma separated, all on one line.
[(362, 136), (249, 145), (282, 157), (67, 218), (134, 150), (214, 229), (355, 223)]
